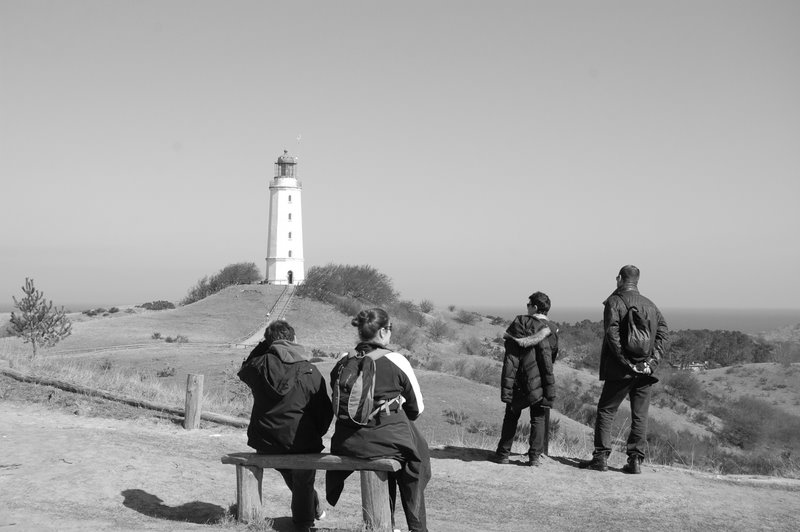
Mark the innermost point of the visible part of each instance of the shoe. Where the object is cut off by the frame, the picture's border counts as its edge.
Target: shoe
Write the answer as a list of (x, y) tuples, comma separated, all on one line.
[(599, 462), (634, 465), (321, 515), (499, 459), (535, 461)]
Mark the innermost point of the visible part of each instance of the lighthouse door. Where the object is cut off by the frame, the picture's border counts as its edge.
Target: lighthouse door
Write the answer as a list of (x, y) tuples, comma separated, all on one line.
[(291, 276)]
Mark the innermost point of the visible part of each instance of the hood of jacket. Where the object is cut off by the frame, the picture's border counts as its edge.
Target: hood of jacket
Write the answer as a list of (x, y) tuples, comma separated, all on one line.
[(288, 352), (273, 370)]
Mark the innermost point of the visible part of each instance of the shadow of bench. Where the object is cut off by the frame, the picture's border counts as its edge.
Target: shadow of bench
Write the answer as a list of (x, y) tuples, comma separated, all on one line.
[(374, 481)]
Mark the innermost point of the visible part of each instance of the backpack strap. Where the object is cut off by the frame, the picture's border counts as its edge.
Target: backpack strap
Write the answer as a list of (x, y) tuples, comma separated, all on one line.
[(384, 404)]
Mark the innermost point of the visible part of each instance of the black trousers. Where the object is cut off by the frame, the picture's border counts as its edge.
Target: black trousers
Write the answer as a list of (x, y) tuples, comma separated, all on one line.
[(637, 390), (509, 430), (305, 501)]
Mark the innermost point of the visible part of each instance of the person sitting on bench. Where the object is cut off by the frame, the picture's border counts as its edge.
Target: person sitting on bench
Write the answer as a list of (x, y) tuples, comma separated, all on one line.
[(291, 411)]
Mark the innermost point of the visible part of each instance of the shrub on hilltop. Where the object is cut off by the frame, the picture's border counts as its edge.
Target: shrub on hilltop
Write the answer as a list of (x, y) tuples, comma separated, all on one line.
[(363, 283), (232, 274)]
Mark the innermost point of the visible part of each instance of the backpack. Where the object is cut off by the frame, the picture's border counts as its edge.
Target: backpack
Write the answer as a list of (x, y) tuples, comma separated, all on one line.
[(353, 387), (634, 334)]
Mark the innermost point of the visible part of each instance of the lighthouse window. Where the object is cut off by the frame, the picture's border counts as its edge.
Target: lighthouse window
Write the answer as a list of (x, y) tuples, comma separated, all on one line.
[(290, 216), (290, 235), (290, 253), (290, 198)]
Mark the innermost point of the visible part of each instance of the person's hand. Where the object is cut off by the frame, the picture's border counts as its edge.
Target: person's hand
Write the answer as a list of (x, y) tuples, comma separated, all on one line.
[(643, 368)]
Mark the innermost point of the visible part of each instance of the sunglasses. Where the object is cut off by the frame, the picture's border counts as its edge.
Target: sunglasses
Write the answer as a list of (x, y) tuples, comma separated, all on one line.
[(388, 327)]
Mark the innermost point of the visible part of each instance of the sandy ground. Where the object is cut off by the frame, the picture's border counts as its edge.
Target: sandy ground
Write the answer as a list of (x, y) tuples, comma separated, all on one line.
[(62, 471)]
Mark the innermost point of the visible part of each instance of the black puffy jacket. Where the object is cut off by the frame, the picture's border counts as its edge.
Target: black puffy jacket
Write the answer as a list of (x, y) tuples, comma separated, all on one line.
[(528, 371), (614, 362), (291, 407)]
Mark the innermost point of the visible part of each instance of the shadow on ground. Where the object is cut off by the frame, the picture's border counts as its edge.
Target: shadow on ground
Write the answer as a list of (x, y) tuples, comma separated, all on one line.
[(191, 512)]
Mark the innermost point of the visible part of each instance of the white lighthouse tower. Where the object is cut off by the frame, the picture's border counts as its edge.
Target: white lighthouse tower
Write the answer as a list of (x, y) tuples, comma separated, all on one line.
[(285, 237)]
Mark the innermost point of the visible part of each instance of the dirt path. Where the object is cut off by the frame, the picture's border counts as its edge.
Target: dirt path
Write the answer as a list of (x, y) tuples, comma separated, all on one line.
[(60, 471)]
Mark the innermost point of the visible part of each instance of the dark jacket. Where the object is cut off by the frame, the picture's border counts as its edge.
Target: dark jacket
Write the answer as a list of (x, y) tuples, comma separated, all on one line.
[(291, 407), (527, 376), (615, 363), (388, 435)]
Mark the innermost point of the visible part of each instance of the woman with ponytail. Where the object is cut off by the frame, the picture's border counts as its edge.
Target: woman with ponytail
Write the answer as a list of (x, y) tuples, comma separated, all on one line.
[(391, 433)]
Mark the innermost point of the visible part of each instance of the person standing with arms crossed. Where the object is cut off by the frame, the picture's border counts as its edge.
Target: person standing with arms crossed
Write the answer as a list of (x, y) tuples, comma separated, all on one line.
[(626, 373), (527, 380)]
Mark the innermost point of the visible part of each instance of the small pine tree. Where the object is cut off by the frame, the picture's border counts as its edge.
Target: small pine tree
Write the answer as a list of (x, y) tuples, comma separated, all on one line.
[(38, 322)]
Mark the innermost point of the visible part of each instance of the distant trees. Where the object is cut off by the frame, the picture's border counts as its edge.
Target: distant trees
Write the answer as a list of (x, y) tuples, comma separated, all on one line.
[(38, 323), (584, 339), (232, 274)]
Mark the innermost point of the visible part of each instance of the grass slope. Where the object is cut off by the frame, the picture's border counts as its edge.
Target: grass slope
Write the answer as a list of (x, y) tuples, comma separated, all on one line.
[(458, 409)]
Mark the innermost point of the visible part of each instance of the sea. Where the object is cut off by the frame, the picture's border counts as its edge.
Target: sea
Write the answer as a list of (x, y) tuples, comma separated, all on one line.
[(750, 321)]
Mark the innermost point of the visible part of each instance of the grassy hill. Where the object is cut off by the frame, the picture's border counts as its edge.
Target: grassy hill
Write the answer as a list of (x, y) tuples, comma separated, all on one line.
[(458, 372)]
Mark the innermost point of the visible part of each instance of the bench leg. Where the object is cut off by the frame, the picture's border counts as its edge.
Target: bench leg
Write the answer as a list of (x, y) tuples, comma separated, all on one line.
[(248, 493), (375, 500)]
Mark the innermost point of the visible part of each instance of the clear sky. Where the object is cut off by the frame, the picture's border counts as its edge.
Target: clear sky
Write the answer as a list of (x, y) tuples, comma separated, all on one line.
[(473, 151)]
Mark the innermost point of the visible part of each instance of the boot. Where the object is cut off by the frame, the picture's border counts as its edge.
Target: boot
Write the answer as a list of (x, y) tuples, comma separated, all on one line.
[(599, 462), (634, 465)]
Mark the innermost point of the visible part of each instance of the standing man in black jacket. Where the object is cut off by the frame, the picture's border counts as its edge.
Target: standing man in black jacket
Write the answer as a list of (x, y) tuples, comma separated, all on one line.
[(291, 411), (626, 373)]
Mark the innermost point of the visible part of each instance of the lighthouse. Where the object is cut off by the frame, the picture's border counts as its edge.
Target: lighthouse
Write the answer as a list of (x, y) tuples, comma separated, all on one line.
[(285, 235)]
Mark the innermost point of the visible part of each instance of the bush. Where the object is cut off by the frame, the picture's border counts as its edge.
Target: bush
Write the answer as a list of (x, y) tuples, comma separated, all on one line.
[(474, 347), (455, 417), (482, 371), (319, 353), (685, 386), (409, 312), (166, 372), (426, 306), (232, 274), (439, 330), (466, 317), (156, 336), (451, 308), (157, 305), (750, 423), (404, 335), (113, 310), (434, 364), (363, 283), (497, 320)]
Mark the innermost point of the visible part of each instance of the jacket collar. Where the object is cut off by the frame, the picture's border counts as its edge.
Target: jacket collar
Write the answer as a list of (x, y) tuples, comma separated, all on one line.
[(368, 347), (627, 288)]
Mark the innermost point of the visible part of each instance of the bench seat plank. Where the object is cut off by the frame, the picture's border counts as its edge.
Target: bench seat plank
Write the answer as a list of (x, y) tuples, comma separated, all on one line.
[(323, 461)]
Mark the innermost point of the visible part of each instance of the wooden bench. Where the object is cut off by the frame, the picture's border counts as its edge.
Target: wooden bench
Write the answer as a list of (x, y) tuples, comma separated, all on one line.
[(374, 481)]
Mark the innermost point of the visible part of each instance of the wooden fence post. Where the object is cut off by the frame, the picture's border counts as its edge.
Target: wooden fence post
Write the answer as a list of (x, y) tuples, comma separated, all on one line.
[(194, 401)]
